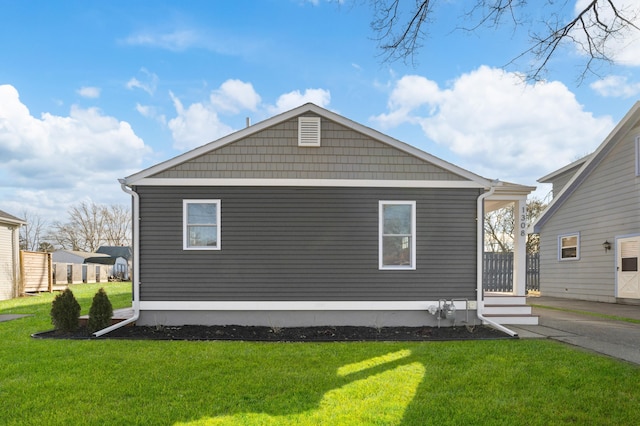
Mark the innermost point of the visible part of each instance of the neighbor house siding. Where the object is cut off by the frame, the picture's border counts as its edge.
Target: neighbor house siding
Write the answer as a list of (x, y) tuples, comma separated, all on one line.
[(605, 205), (7, 262), (561, 180), (297, 243), (274, 153)]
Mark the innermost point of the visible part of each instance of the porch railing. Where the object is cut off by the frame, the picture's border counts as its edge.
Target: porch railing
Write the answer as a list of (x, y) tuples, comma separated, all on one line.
[(498, 272)]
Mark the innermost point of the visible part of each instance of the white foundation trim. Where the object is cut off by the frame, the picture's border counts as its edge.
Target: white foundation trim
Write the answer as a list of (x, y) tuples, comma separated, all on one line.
[(297, 306)]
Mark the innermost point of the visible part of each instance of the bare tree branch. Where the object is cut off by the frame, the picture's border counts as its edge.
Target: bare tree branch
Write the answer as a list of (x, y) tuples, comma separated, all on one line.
[(91, 225), (401, 27)]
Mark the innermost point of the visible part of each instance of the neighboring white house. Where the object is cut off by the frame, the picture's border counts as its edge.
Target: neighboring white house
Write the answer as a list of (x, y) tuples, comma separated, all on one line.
[(118, 265), (73, 256), (590, 232), (9, 255)]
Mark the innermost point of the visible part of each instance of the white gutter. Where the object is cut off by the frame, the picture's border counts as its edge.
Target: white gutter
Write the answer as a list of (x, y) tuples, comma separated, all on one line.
[(136, 263), (480, 262)]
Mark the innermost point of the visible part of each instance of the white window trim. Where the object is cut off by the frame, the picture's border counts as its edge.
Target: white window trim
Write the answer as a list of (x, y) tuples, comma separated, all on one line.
[(569, 259), (185, 234), (381, 266)]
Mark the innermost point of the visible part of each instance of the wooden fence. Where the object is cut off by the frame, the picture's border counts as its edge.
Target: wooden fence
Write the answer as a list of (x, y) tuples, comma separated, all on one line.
[(39, 273), (498, 272), (36, 272)]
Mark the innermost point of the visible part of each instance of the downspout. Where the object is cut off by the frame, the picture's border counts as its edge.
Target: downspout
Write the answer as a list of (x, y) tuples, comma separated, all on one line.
[(480, 262), (135, 264)]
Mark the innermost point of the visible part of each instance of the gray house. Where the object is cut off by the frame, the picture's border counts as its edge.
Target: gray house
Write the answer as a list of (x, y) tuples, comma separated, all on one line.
[(590, 232), (9, 255), (309, 218)]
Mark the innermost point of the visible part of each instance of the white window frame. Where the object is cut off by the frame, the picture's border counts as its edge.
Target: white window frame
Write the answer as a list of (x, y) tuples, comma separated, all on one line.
[(185, 225), (381, 235), (560, 238)]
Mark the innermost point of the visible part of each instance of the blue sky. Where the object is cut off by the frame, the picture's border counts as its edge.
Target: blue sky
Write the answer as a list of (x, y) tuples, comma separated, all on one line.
[(95, 91)]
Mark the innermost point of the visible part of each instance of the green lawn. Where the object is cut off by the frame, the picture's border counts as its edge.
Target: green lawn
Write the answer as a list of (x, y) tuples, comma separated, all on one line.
[(506, 382)]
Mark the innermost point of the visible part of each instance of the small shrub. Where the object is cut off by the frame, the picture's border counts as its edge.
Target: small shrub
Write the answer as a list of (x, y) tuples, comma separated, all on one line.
[(65, 312), (100, 312)]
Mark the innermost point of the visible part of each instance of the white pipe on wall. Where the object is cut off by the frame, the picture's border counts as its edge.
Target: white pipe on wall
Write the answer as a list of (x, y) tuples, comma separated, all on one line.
[(480, 261), (135, 264)]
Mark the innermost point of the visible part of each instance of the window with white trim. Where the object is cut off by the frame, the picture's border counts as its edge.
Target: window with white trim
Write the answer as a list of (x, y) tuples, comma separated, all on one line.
[(397, 235), (569, 247), (201, 224)]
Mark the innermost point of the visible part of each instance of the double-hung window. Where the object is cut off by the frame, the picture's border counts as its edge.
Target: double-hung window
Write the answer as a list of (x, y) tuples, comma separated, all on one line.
[(397, 235), (201, 224), (569, 247)]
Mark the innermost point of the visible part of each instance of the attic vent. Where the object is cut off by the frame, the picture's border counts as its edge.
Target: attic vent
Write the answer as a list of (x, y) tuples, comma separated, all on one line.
[(308, 131)]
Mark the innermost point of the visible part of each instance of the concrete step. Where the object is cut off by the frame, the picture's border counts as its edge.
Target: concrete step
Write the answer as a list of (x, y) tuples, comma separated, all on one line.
[(505, 300), (507, 309), (514, 319), (119, 315)]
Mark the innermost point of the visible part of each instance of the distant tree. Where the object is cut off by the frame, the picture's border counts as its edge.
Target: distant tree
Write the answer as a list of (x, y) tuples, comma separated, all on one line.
[(402, 25), (46, 247), (33, 233), (92, 225), (117, 225), (499, 228)]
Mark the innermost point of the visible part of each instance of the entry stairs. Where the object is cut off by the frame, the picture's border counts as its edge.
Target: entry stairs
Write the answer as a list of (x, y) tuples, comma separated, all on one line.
[(507, 309)]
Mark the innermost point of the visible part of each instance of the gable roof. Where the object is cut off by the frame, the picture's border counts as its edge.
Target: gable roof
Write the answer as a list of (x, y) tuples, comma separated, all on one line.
[(579, 162), (592, 161), (140, 177), (7, 218), (83, 254), (116, 251)]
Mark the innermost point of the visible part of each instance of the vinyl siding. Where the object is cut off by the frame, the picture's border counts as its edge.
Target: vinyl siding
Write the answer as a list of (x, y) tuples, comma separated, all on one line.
[(7, 262), (321, 243), (605, 205), (274, 154), (560, 181)]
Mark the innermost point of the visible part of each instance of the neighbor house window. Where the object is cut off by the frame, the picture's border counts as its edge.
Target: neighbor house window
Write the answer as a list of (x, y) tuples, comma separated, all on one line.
[(397, 235), (569, 247), (201, 224)]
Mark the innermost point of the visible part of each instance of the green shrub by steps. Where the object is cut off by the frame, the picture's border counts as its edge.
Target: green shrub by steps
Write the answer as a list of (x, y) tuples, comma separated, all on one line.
[(100, 312), (65, 311)]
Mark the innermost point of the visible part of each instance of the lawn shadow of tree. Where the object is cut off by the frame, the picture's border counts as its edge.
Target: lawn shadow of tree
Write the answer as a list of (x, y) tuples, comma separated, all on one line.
[(372, 391)]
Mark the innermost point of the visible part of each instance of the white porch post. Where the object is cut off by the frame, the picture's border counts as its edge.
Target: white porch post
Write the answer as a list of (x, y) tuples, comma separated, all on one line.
[(520, 247)]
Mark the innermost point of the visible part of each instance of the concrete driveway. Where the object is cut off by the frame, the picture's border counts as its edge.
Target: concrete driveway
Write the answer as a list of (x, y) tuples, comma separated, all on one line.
[(618, 339)]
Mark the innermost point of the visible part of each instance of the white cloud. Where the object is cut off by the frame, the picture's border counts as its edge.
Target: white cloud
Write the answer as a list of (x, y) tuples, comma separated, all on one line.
[(149, 83), (196, 125), (200, 122), (234, 95), (294, 99), (616, 86), (89, 92), (497, 125), (61, 159), (177, 40)]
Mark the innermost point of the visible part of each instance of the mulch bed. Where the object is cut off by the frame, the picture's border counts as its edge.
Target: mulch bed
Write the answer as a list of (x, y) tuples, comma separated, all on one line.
[(288, 334)]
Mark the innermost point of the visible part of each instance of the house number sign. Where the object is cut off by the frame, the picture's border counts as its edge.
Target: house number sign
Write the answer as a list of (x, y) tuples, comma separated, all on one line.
[(523, 221)]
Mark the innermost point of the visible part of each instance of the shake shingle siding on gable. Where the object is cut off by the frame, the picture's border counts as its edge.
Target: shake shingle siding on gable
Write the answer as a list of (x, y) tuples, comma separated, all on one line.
[(274, 154), (297, 244)]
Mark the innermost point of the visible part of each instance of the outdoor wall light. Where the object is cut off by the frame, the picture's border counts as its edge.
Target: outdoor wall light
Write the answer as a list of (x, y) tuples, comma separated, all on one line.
[(607, 246)]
